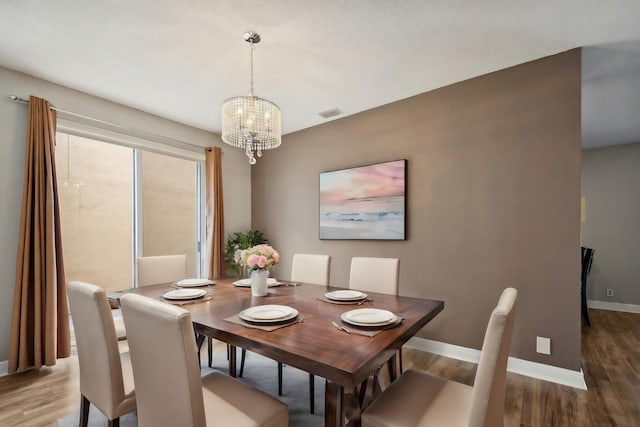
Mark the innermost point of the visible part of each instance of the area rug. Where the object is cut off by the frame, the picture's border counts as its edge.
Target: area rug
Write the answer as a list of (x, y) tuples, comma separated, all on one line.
[(259, 372)]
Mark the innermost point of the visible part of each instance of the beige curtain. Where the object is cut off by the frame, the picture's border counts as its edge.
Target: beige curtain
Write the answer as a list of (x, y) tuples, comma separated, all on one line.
[(215, 213), (40, 321)]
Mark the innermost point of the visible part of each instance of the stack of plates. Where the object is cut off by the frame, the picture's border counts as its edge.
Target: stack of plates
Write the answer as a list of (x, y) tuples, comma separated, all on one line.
[(191, 283), (369, 317), (181, 294), (246, 283), (268, 313), (345, 295)]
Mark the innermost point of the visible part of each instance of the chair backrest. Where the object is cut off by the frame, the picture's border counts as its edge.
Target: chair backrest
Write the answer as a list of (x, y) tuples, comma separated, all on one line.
[(487, 407), (161, 269), (165, 363), (100, 369), (311, 268), (375, 274)]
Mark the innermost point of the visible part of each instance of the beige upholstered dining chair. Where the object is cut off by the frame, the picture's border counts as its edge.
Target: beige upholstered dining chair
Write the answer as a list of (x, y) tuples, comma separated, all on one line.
[(161, 269), (153, 270), (311, 268), (105, 374), (306, 268), (376, 275), (418, 399), (169, 388)]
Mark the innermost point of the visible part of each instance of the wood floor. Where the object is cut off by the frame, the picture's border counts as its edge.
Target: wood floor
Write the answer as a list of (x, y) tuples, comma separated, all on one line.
[(610, 358)]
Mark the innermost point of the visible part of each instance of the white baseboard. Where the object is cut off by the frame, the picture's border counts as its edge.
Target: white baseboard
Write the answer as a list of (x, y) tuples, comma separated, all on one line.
[(518, 366), (614, 306), (4, 368)]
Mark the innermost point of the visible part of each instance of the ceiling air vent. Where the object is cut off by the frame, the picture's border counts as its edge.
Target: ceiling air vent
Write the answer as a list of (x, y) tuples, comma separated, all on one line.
[(330, 113)]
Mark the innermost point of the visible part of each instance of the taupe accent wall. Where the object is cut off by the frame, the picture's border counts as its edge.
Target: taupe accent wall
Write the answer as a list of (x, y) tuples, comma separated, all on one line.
[(13, 123), (610, 178), (493, 200)]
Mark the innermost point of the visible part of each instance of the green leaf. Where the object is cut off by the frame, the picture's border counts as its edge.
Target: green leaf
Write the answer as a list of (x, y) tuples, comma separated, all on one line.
[(237, 241)]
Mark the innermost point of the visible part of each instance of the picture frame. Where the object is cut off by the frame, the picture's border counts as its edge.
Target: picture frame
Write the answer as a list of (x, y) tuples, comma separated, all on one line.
[(364, 203)]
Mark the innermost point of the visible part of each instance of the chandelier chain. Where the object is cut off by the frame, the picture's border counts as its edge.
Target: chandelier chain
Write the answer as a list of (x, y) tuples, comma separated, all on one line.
[(251, 81)]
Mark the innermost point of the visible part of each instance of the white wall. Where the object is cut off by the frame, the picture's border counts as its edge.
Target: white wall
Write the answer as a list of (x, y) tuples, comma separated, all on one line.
[(13, 122)]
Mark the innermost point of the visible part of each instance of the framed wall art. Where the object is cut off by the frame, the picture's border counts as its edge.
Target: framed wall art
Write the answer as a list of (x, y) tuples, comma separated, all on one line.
[(365, 202)]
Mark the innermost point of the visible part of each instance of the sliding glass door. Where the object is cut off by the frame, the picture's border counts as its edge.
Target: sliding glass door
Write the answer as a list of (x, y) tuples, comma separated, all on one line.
[(168, 203), (95, 182), (119, 203)]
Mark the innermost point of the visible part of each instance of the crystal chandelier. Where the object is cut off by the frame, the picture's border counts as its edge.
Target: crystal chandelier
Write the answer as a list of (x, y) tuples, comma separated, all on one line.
[(250, 122)]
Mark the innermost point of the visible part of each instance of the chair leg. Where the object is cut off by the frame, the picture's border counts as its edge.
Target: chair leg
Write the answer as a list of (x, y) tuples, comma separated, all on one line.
[(312, 397), (392, 366), (400, 360), (233, 367), (279, 378), (199, 341), (114, 423), (585, 309), (210, 349), (242, 356), (84, 411)]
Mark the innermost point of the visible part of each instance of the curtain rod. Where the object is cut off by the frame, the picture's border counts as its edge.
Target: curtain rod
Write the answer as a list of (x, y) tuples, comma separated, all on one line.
[(159, 138)]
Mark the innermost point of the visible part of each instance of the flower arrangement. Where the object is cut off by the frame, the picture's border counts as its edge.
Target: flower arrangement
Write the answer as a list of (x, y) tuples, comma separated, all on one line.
[(236, 242), (259, 257)]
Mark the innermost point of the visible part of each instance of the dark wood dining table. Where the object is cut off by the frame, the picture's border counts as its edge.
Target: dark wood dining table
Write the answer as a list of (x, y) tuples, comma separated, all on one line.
[(345, 360)]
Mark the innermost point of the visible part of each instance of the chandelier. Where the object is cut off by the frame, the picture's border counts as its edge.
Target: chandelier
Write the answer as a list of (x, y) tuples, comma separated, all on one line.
[(250, 122)]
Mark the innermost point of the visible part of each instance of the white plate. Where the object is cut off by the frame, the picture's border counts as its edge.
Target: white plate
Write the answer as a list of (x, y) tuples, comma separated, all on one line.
[(192, 283), (246, 283), (185, 294), (369, 317), (345, 295), (268, 313)]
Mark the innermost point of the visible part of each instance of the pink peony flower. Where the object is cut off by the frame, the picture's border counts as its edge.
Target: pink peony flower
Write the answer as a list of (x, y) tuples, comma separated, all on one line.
[(259, 257), (261, 261), (252, 260)]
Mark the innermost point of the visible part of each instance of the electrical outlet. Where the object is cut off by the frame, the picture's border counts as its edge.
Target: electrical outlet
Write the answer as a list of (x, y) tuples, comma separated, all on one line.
[(609, 292), (543, 345)]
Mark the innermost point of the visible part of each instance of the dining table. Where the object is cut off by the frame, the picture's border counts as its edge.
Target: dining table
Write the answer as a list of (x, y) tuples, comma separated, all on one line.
[(312, 342)]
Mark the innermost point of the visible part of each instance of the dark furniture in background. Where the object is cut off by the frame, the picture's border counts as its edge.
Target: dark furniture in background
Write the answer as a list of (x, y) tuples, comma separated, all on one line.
[(587, 260)]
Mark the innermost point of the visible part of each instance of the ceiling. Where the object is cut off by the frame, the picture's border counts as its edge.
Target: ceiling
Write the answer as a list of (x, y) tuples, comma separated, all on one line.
[(181, 59)]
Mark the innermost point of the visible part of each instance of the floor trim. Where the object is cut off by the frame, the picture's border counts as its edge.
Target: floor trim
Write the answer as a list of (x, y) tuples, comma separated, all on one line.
[(541, 371), (4, 368), (614, 306)]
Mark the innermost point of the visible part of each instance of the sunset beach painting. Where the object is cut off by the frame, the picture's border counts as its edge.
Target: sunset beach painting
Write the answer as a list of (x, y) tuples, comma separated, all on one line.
[(366, 202)]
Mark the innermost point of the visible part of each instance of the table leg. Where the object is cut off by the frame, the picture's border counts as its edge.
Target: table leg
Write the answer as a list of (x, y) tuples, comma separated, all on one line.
[(352, 410), (341, 408), (333, 405)]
